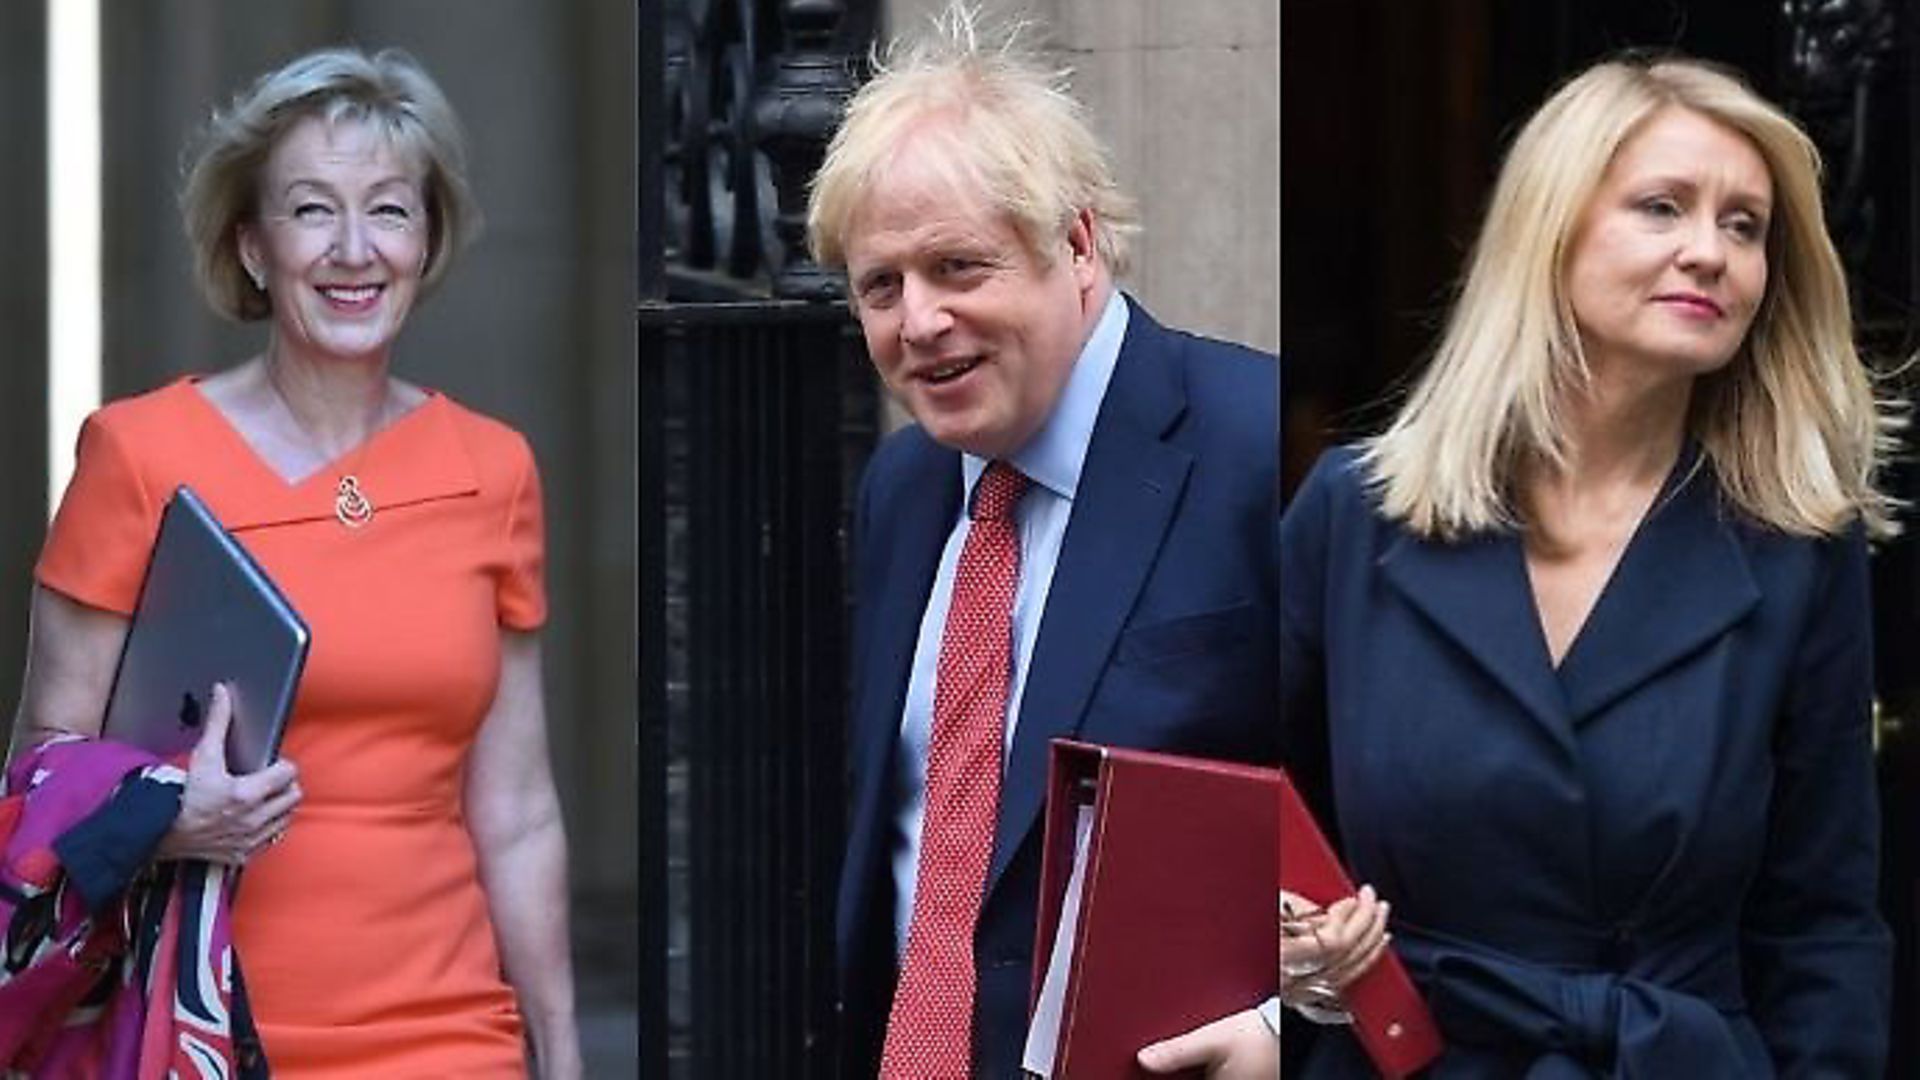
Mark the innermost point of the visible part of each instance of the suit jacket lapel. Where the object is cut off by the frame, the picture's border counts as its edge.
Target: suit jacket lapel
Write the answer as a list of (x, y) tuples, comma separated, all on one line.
[(919, 516), (1476, 592), (1683, 581), (1129, 486)]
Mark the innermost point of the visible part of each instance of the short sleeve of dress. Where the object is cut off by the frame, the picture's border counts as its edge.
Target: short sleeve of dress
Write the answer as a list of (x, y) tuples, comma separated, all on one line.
[(521, 595), (97, 547)]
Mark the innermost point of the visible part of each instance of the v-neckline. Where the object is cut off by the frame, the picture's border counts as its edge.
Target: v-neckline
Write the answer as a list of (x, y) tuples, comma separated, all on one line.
[(326, 468), (1678, 476)]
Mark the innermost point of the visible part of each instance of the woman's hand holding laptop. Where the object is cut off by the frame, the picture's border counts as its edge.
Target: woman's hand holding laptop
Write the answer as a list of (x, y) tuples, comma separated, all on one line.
[(226, 818)]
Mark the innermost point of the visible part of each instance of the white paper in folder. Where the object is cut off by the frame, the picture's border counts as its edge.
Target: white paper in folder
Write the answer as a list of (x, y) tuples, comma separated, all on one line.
[(1043, 1033)]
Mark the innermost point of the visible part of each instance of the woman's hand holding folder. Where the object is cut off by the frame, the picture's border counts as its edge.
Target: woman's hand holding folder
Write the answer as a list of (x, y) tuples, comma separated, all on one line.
[(1323, 951)]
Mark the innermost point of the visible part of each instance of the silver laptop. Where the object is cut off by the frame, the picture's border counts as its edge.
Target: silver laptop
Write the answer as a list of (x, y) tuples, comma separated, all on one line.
[(207, 614)]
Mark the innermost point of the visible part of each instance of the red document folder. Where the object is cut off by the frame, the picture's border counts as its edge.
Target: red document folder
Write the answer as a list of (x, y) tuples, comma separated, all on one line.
[(1178, 922), (1389, 1017)]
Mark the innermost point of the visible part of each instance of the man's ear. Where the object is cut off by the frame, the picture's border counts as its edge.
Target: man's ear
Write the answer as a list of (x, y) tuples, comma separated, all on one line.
[(1085, 255)]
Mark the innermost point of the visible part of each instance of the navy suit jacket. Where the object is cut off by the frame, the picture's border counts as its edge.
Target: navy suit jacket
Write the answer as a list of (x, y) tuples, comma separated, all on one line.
[(1658, 859), (1160, 632)]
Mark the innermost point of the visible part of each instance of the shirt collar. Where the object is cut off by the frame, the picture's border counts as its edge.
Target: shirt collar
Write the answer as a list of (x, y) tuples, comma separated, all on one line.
[(1052, 458)]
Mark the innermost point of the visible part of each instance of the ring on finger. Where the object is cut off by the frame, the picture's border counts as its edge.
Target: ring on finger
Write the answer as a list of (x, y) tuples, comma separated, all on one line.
[(1303, 969), (1294, 967)]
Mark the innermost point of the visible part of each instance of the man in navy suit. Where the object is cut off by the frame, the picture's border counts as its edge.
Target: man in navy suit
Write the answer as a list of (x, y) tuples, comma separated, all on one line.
[(981, 230)]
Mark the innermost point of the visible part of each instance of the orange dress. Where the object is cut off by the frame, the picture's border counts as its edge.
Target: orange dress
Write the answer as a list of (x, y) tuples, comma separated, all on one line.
[(364, 938)]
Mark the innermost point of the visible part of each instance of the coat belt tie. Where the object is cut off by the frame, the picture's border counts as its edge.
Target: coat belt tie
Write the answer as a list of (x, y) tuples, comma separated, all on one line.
[(1578, 1021)]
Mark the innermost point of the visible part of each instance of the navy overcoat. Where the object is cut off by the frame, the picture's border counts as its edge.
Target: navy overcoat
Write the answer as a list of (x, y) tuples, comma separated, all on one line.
[(1658, 859)]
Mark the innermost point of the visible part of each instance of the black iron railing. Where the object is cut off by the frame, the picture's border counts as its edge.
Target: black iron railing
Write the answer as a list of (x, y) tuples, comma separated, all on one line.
[(765, 426), (757, 412)]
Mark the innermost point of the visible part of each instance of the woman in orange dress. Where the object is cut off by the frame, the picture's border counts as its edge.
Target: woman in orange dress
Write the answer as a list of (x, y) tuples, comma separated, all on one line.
[(413, 922)]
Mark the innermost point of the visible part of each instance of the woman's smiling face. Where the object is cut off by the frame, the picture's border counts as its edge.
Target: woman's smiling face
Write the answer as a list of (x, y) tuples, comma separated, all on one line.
[(341, 238)]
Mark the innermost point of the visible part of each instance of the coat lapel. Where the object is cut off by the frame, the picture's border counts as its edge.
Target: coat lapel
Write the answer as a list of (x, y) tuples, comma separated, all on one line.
[(918, 519), (1129, 487), (1476, 592), (1683, 581)]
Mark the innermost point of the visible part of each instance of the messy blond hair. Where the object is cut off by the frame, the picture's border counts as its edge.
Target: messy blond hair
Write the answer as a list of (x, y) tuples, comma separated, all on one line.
[(998, 122)]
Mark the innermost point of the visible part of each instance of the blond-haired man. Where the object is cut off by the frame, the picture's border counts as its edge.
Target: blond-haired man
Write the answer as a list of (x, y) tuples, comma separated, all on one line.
[(1076, 539)]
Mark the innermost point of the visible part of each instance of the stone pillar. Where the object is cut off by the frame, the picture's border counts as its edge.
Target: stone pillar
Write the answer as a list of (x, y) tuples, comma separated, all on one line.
[(23, 315)]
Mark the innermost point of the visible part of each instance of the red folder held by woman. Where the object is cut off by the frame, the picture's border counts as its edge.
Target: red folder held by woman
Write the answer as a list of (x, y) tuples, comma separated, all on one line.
[(1389, 1017)]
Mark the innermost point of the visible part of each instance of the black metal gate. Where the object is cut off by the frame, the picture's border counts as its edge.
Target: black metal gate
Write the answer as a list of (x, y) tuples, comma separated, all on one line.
[(757, 411)]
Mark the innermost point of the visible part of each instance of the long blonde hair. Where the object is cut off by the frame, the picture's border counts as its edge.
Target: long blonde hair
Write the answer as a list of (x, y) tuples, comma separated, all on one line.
[(1791, 427)]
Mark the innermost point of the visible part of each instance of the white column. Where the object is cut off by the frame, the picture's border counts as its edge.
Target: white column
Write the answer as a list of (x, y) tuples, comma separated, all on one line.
[(73, 230)]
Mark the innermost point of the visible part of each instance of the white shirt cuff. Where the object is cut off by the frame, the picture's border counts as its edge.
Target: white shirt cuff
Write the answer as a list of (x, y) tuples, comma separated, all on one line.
[(1270, 1012)]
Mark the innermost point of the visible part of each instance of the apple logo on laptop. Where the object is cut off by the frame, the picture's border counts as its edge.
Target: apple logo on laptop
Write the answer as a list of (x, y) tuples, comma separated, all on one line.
[(189, 710)]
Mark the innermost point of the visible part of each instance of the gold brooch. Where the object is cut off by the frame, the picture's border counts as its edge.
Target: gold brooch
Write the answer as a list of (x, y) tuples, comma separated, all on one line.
[(350, 505)]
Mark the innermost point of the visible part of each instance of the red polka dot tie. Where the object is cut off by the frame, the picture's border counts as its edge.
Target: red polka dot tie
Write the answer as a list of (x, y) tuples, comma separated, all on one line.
[(930, 1031)]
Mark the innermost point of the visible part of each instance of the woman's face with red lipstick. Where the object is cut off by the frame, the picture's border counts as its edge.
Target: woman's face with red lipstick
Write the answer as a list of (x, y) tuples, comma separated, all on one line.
[(1669, 262), (341, 238)]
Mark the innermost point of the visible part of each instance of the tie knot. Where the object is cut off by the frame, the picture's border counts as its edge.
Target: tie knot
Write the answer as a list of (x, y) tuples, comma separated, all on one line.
[(998, 492)]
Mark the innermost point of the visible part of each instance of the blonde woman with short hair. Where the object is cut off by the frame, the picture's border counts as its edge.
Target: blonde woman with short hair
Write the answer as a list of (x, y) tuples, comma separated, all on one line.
[(1586, 629), (404, 910)]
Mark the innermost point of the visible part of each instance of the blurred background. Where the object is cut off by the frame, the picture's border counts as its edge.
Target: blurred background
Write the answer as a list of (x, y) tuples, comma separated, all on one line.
[(758, 409), (534, 325)]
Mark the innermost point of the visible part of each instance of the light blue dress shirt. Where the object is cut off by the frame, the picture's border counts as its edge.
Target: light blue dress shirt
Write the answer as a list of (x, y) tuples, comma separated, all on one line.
[(1052, 460)]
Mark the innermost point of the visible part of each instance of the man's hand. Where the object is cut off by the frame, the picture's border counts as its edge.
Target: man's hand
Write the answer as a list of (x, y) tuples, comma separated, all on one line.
[(1237, 1047)]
